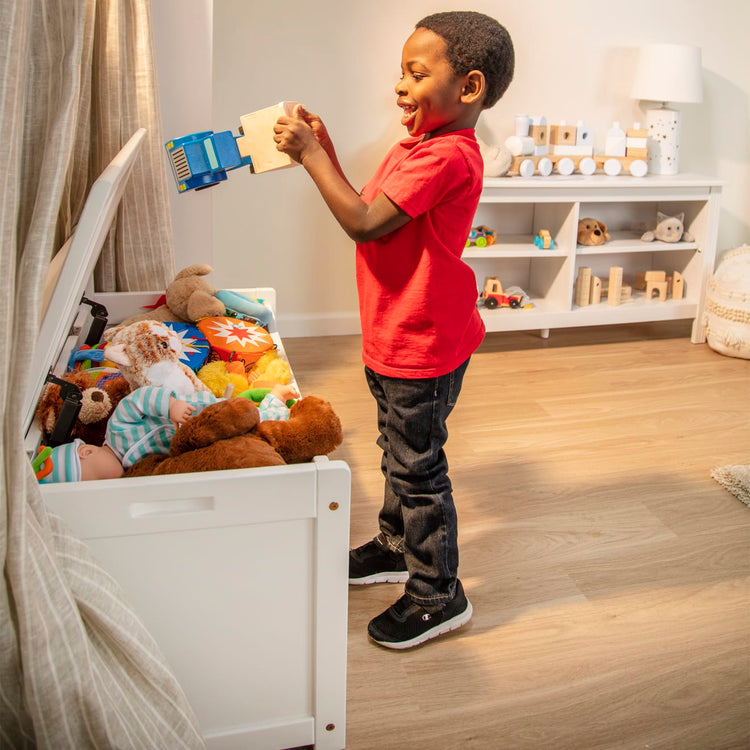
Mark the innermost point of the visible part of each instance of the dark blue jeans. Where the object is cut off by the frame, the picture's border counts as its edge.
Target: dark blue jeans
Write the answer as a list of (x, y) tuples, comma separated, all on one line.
[(418, 517)]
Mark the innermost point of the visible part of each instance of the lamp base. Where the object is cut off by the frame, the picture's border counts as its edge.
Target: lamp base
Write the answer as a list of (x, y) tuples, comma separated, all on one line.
[(663, 140)]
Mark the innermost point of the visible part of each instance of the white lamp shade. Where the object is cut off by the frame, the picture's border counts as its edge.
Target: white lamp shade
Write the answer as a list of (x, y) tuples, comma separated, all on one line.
[(668, 73)]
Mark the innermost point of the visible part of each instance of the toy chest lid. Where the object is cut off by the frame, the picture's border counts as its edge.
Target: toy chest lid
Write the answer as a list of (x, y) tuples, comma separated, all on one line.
[(73, 267)]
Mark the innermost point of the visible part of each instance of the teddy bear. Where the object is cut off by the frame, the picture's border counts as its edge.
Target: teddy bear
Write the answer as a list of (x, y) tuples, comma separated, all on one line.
[(101, 390), (190, 298), (230, 435), (592, 232), (147, 352), (187, 299), (668, 229)]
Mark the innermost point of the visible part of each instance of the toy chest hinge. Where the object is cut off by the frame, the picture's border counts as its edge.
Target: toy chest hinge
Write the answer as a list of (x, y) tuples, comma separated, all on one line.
[(100, 317)]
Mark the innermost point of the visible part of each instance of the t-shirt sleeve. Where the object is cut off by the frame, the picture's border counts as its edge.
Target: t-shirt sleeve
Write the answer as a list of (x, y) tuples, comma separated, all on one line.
[(426, 178)]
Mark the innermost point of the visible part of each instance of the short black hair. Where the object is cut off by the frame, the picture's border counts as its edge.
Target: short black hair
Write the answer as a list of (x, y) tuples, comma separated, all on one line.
[(475, 41)]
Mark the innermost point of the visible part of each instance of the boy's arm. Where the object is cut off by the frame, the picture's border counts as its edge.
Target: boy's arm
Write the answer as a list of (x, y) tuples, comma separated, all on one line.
[(363, 222)]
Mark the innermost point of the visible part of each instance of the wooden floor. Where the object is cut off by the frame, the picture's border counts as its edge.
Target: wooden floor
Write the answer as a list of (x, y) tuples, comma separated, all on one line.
[(609, 574)]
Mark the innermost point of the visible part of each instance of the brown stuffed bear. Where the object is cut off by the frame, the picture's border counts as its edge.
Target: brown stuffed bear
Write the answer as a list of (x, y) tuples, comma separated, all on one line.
[(592, 232), (229, 435), (101, 391), (188, 298)]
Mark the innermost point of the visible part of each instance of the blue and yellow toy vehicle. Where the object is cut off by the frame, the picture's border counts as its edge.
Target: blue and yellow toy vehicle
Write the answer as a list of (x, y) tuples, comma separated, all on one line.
[(200, 160)]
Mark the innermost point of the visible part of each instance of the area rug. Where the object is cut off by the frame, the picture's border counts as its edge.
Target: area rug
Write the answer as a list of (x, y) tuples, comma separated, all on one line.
[(735, 479)]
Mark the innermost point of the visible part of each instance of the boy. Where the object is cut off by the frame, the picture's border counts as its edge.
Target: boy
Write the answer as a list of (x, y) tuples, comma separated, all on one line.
[(418, 312)]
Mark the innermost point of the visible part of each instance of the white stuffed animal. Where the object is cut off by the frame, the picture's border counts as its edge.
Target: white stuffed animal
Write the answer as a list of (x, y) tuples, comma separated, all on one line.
[(148, 353), (496, 159), (668, 229)]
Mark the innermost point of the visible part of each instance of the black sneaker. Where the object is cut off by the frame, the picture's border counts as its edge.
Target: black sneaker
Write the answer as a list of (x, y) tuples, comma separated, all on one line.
[(372, 563), (405, 624)]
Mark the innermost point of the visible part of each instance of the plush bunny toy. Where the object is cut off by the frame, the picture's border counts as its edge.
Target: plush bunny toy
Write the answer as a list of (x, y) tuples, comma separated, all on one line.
[(148, 353)]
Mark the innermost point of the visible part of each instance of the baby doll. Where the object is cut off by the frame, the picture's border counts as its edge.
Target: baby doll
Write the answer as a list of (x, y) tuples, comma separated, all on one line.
[(143, 424)]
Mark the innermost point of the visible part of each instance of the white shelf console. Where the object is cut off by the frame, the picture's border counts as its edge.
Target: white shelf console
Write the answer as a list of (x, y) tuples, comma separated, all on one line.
[(517, 208)]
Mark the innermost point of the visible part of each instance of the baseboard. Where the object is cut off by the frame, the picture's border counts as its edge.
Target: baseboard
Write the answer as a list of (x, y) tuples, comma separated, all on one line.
[(321, 324)]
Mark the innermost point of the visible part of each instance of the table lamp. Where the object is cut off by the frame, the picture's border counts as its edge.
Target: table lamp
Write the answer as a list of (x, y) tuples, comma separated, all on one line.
[(666, 73)]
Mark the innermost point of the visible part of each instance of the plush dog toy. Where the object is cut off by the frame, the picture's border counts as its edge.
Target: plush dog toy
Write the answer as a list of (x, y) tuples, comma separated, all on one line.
[(229, 435), (592, 232), (668, 229), (101, 391), (148, 353)]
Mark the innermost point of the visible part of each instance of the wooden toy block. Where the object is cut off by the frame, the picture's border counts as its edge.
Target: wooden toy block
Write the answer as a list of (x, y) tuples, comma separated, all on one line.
[(565, 150), (636, 132), (660, 287), (539, 134), (584, 135), (677, 290), (562, 135), (583, 286), (614, 144), (595, 290), (257, 141), (520, 145), (642, 277), (626, 292), (636, 142), (614, 288), (637, 153)]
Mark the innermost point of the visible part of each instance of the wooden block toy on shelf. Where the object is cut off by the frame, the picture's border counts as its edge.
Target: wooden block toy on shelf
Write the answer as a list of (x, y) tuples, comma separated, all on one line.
[(584, 135), (677, 288), (562, 135), (614, 288), (539, 132), (595, 293), (583, 285), (257, 138), (642, 278), (660, 287)]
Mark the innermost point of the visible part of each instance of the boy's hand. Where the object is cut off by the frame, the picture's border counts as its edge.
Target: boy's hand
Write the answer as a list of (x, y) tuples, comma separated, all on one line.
[(299, 135), (316, 124), (179, 411)]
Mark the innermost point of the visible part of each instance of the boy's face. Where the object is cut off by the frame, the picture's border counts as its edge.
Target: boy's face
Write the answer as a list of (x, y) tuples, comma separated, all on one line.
[(429, 92)]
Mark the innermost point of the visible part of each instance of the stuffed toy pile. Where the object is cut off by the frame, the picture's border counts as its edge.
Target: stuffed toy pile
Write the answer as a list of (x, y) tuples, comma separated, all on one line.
[(148, 350), (230, 435)]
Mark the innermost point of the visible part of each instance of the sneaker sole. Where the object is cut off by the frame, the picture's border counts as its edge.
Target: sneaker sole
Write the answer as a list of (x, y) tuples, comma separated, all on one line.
[(396, 576), (445, 627)]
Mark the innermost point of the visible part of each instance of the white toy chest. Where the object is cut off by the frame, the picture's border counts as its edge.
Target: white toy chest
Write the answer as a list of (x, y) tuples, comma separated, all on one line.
[(240, 576)]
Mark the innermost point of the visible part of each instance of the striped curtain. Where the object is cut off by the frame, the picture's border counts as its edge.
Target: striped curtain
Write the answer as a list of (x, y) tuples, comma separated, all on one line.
[(77, 667)]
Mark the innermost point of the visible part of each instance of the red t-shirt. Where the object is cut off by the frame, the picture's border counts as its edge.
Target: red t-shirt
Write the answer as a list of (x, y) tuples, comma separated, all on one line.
[(417, 298)]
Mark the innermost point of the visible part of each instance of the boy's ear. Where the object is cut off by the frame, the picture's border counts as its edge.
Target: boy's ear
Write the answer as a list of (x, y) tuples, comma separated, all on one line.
[(474, 87)]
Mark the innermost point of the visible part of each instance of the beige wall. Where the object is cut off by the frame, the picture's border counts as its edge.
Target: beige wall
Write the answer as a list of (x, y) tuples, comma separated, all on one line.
[(342, 59)]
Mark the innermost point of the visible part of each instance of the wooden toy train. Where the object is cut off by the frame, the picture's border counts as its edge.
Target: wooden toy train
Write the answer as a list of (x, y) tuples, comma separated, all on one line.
[(539, 149)]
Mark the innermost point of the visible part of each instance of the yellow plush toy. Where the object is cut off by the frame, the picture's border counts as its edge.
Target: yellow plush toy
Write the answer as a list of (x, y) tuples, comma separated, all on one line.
[(217, 375), (269, 370)]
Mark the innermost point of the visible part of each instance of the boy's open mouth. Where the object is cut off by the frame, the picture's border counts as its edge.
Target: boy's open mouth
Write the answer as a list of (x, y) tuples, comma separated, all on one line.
[(409, 111)]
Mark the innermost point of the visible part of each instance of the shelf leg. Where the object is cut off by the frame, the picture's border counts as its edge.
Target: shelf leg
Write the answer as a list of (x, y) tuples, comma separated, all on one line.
[(544, 333)]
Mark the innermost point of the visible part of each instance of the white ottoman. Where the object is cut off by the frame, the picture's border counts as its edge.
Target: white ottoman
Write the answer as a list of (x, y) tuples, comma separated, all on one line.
[(726, 320)]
